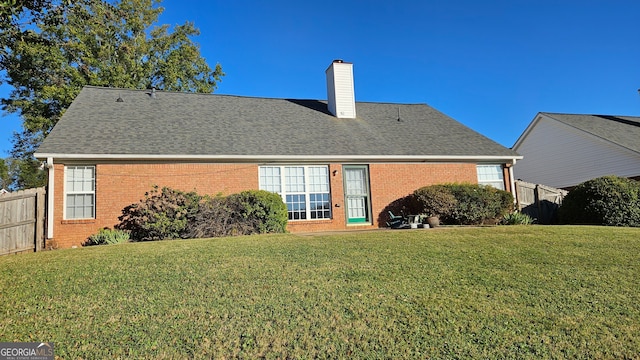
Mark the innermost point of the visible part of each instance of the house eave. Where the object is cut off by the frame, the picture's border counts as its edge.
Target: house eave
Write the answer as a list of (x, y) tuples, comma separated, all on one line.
[(277, 158)]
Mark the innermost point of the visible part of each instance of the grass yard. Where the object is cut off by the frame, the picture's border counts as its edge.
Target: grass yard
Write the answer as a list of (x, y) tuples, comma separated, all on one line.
[(498, 292)]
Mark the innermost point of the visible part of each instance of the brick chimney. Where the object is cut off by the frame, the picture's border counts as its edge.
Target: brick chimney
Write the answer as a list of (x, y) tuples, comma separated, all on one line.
[(341, 98)]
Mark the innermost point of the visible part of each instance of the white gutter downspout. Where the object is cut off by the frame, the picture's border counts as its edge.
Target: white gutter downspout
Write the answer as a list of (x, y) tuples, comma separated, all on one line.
[(50, 207), (513, 182)]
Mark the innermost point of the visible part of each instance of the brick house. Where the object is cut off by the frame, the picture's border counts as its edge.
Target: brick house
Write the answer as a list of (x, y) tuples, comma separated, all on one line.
[(337, 163)]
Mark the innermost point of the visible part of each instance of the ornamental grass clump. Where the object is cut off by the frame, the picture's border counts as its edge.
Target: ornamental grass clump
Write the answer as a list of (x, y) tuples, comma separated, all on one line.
[(108, 236), (516, 218)]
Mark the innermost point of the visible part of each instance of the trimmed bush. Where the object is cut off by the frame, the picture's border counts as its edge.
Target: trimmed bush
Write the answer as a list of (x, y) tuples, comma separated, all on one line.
[(258, 211), (213, 219), (435, 200), (172, 214), (477, 204), (162, 214), (108, 236), (607, 200)]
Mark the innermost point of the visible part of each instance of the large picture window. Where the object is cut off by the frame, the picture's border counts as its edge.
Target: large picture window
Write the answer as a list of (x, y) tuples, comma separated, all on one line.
[(305, 189), (80, 192), (491, 175)]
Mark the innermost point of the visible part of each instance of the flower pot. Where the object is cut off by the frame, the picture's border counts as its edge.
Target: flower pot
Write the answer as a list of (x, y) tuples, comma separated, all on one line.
[(433, 221)]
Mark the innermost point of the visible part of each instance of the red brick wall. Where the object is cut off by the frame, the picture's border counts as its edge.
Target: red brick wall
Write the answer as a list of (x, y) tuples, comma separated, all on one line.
[(118, 185), (390, 182)]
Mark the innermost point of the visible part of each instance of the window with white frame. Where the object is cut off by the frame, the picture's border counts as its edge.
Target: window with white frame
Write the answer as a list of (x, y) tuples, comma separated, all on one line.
[(305, 189), (491, 175), (80, 192)]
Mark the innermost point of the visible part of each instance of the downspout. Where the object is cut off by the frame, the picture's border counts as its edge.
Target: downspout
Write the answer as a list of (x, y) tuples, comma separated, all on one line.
[(513, 183), (50, 207)]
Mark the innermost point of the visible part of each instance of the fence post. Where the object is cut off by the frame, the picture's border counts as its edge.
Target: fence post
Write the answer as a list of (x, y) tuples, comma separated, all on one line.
[(40, 219), (536, 196)]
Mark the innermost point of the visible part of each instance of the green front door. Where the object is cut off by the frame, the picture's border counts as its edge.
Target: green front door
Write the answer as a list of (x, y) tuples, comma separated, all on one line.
[(356, 189)]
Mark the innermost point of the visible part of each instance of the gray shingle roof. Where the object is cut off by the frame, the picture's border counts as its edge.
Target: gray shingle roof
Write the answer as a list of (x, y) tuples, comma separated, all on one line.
[(187, 124), (621, 130)]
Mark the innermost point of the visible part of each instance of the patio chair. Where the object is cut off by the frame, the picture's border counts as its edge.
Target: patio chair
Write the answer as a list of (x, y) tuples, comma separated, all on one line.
[(396, 221)]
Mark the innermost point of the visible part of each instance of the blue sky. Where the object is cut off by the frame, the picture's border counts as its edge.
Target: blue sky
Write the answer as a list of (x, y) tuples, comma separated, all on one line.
[(491, 65)]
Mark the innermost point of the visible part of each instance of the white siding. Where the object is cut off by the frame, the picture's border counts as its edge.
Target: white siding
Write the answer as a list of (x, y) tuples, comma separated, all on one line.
[(340, 90), (561, 156)]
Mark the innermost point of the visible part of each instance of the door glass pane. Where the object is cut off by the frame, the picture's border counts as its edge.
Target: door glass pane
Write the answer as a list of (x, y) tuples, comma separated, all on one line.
[(356, 207), (355, 182)]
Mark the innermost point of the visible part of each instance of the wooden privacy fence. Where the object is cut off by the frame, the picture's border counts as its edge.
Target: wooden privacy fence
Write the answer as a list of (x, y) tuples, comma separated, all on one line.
[(22, 221), (539, 201)]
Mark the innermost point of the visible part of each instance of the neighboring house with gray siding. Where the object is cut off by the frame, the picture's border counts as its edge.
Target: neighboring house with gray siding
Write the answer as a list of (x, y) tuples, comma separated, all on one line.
[(564, 150)]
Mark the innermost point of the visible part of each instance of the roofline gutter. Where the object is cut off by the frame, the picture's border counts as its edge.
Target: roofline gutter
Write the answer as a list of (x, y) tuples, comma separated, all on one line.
[(279, 158)]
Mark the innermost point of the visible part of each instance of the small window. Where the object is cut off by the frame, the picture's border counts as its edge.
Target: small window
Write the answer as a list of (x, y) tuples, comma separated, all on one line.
[(491, 175), (305, 189), (80, 194)]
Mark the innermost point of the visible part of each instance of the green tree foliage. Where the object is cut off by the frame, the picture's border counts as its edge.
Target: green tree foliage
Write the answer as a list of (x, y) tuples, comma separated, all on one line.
[(14, 14), (5, 176), (51, 49), (607, 200), (26, 171)]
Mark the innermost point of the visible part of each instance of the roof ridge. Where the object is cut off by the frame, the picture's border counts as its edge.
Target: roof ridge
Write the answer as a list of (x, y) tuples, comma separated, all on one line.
[(577, 114), (240, 96), (620, 120)]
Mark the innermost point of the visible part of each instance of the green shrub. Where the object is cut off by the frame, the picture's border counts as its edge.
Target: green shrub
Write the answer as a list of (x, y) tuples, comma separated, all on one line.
[(108, 236), (162, 214), (516, 218), (435, 200), (258, 211), (172, 214), (477, 204), (608, 200)]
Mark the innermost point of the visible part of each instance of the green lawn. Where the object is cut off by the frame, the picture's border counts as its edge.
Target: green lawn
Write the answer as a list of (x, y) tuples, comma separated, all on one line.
[(495, 292)]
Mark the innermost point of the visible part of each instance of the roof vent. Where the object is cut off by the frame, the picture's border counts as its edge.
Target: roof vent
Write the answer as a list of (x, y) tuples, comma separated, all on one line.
[(119, 99), (341, 99), (152, 94)]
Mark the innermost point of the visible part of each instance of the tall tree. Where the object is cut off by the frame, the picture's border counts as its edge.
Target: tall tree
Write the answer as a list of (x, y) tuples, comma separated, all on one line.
[(5, 176), (66, 45)]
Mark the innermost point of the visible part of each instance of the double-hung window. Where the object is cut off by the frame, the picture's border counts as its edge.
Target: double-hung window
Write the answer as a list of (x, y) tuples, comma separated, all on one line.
[(491, 175), (305, 189), (80, 192)]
